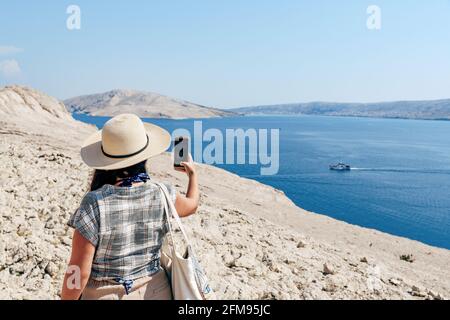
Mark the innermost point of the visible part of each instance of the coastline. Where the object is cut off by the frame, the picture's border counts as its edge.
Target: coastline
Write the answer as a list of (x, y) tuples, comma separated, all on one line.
[(335, 116), (257, 245)]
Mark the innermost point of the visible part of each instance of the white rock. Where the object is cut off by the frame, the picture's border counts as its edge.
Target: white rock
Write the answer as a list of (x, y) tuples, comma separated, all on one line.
[(328, 269)]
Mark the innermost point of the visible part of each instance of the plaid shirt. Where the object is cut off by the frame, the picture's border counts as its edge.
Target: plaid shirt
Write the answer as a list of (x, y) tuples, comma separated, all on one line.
[(127, 226)]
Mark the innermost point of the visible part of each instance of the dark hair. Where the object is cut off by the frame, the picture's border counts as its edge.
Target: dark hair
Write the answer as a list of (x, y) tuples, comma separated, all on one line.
[(103, 177)]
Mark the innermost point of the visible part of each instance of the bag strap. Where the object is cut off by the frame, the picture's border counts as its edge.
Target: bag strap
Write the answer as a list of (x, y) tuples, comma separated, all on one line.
[(170, 210), (166, 213)]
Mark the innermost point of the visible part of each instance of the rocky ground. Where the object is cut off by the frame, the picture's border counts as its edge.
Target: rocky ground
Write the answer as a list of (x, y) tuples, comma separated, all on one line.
[(253, 242)]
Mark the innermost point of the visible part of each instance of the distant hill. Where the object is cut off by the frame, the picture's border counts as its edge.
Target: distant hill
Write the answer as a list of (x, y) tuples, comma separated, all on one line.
[(144, 104), (428, 110)]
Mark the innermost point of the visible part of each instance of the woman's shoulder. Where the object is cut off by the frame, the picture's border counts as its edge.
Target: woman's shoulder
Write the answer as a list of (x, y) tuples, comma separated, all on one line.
[(171, 188), (168, 185), (92, 197)]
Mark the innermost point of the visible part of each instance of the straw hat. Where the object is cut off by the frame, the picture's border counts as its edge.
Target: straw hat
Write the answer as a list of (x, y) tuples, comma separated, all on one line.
[(124, 141)]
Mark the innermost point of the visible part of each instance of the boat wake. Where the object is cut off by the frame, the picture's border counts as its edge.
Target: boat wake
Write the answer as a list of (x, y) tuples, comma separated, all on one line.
[(404, 170), (353, 169)]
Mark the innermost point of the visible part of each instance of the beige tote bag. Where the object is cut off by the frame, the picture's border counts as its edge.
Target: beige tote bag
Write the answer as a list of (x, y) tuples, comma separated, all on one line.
[(187, 277)]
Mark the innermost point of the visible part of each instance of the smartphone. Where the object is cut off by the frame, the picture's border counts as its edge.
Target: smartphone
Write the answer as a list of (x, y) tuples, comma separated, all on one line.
[(180, 151)]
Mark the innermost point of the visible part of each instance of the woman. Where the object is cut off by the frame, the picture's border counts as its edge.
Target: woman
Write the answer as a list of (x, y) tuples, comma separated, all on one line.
[(120, 224)]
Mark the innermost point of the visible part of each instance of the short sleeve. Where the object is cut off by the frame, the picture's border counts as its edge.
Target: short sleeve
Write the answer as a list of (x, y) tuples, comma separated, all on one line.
[(86, 219)]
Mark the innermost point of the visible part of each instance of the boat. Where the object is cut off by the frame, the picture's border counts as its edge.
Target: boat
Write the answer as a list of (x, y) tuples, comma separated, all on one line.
[(340, 167)]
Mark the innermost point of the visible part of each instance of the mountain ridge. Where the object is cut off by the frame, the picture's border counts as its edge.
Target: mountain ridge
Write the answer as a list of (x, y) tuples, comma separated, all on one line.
[(143, 103), (405, 109), (22, 101)]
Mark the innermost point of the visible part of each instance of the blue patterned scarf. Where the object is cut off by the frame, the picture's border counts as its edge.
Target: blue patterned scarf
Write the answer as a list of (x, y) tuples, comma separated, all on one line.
[(128, 182)]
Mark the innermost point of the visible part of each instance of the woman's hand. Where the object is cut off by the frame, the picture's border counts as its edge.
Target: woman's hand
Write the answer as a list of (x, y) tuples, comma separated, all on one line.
[(188, 167)]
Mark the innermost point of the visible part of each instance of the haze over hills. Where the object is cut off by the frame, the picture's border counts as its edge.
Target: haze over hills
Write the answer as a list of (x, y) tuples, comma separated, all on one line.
[(144, 104), (427, 109)]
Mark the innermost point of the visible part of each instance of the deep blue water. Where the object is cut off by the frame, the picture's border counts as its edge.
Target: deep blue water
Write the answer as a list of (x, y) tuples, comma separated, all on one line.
[(400, 182)]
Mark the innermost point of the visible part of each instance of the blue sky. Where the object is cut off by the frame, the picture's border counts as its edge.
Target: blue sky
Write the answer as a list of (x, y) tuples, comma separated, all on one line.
[(230, 53)]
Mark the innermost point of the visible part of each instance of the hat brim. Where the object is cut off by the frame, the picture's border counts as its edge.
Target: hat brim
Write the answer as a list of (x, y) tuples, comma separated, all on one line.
[(93, 156)]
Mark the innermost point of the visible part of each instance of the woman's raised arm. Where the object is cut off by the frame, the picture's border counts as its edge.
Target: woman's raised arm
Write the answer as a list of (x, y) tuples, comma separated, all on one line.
[(187, 205)]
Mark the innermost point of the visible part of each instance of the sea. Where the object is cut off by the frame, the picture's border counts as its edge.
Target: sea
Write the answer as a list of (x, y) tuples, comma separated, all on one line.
[(400, 177)]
